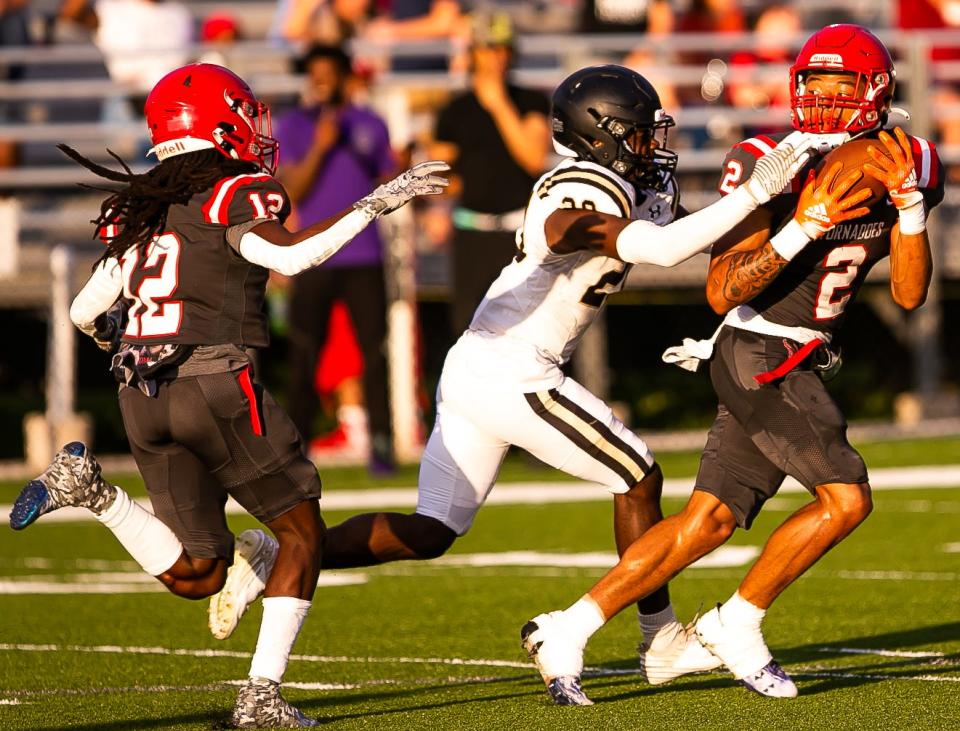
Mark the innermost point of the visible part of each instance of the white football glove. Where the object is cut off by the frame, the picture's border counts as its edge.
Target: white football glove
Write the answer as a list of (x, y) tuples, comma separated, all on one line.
[(778, 167), (421, 179)]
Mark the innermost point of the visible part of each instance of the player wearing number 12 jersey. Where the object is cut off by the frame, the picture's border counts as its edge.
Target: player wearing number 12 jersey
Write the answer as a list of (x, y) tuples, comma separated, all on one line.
[(784, 279), (189, 244)]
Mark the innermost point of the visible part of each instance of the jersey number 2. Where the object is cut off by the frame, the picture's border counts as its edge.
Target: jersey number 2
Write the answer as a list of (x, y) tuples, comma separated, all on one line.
[(609, 283), (153, 313), (834, 291)]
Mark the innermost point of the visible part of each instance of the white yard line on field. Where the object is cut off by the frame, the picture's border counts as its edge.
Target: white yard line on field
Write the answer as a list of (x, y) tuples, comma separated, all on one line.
[(544, 493), (880, 651), (17, 694), (137, 582), (204, 652), (874, 676), (127, 583)]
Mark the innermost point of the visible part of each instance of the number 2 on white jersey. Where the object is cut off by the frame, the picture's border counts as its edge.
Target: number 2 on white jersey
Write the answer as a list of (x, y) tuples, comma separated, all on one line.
[(153, 313), (829, 305)]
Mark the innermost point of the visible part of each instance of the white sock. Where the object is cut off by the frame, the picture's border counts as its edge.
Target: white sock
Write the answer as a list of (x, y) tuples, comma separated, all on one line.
[(662, 625), (353, 419), (282, 618), (147, 539), (583, 619), (738, 611)]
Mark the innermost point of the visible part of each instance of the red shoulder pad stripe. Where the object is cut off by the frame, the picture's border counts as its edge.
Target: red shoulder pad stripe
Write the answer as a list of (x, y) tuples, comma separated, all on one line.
[(216, 207), (757, 146)]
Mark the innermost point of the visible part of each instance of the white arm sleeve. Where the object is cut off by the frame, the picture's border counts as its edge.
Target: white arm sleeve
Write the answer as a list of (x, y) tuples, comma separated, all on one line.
[(97, 295), (643, 242), (308, 253)]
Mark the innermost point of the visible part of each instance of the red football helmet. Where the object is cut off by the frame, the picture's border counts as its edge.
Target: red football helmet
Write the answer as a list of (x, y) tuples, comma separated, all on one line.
[(202, 106), (842, 48)]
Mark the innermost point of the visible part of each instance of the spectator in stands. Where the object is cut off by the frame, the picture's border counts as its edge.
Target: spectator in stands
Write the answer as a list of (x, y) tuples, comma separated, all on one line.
[(624, 16), (918, 15), (660, 23), (219, 31), (333, 150), (407, 20), (141, 40), (496, 137), (14, 31), (748, 85), (332, 22)]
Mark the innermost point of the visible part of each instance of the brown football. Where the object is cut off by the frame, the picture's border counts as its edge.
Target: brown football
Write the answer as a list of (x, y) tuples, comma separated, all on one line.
[(853, 156)]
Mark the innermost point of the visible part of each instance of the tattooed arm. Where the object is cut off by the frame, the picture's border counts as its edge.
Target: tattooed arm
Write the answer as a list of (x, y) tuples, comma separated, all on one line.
[(742, 263), (745, 261)]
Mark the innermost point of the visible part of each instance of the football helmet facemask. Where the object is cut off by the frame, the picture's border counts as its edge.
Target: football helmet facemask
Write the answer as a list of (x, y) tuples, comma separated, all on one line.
[(612, 116), (202, 106), (842, 48)]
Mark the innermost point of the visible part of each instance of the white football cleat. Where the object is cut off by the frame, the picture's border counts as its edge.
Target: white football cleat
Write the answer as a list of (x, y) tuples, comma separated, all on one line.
[(559, 660), (744, 652), (253, 560), (672, 656)]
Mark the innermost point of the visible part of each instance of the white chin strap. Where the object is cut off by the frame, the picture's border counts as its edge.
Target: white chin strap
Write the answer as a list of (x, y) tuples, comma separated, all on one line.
[(181, 146), (563, 150)]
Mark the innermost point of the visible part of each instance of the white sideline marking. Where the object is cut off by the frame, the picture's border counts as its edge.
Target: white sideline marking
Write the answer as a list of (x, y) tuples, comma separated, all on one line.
[(541, 493), (10, 701), (881, 652), (951, 547)]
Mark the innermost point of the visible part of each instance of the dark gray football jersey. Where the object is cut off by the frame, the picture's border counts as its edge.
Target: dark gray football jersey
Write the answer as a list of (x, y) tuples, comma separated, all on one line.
[(190, 286), (815, 288)]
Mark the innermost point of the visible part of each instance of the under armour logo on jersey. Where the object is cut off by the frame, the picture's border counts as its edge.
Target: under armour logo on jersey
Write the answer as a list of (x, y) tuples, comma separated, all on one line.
[(655, 211), (817, 212)]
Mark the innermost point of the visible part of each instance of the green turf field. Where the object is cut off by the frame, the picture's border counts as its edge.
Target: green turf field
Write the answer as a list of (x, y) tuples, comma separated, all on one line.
[(872, 634)]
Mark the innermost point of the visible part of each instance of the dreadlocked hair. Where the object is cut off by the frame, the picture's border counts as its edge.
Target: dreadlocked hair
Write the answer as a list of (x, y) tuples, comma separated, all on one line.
[(139, 209)]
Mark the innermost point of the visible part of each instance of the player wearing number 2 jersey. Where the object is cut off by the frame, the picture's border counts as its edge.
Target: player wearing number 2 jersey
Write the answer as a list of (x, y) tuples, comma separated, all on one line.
[(189, 244), (784, 295)]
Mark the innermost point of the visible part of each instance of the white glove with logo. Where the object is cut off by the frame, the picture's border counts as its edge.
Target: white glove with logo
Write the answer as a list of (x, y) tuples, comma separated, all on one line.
[(421, 179), (778, 167)]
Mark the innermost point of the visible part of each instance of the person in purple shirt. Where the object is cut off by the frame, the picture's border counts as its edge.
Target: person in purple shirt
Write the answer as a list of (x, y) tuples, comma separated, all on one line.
[(333, 153)]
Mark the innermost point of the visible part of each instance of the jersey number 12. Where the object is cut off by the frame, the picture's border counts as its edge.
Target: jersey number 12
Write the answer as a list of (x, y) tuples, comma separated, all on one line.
[(153, 313)]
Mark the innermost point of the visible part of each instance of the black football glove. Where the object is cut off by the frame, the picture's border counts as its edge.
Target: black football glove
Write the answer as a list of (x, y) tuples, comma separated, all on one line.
[(109, 326)]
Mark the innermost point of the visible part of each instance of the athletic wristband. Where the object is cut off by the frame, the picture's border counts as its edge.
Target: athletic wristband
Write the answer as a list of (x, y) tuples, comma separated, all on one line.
[(791, 240), (913, 218)]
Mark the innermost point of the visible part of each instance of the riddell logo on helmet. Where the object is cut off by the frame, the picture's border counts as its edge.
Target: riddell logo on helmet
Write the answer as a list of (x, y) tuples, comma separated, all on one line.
[(167, 149), (826, 59)]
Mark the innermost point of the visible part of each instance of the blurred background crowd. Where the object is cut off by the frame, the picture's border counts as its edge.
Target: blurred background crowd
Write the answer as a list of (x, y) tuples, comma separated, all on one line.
[(359, 89)]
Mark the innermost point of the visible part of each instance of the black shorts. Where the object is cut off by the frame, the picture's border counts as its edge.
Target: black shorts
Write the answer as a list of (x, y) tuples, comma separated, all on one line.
[(790, 426), (202, 438)]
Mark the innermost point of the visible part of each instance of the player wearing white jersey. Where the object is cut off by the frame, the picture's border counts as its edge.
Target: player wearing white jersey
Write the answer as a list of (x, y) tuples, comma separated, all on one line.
[(502, 382)]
